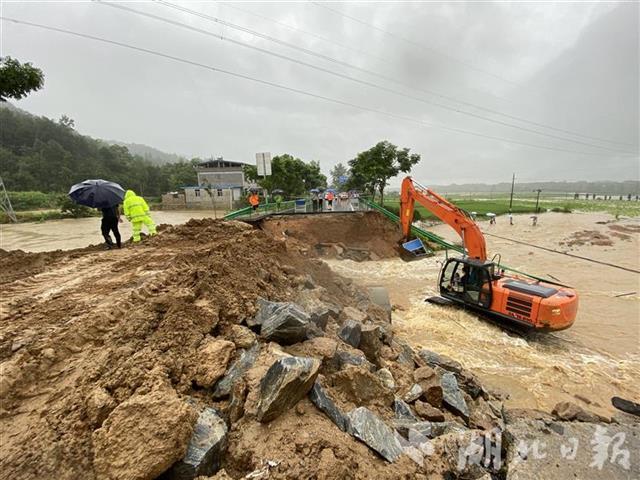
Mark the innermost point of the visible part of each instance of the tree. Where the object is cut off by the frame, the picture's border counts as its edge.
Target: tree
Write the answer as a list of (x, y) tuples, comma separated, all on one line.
[(67, 122), (338, 173), (290, 174), (17, 80), (372, 169)]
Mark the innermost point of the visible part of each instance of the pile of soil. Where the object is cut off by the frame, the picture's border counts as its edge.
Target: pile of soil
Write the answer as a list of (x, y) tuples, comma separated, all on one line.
[(361, 235), (109, 356), (89, 335)]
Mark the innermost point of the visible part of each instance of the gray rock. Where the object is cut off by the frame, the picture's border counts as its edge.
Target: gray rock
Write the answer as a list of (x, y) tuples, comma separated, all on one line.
[(386, 378), (436, 359), (265, 310), (403, 410), (428, 429), (414, 393), (452, 396), (287, 381), (583, 450), (405, 352), (342, 358), (626, 406), (242, 364), (313, 331), (370, 342), (320, 317), (207, 446), (372, 431), (286, 325), (350, 333), (320, 399)]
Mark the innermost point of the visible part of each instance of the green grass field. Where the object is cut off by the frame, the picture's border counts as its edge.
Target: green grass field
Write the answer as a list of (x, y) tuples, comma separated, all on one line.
[(500, 206)]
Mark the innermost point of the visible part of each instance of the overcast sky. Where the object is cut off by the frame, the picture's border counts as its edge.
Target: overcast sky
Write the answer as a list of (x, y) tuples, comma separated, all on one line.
[(569, 66)]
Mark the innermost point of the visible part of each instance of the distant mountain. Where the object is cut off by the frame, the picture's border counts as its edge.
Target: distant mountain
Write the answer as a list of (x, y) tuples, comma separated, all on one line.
[(151, 154)]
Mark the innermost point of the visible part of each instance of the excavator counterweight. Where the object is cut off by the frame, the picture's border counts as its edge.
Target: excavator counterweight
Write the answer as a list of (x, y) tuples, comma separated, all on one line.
[(481, 285)]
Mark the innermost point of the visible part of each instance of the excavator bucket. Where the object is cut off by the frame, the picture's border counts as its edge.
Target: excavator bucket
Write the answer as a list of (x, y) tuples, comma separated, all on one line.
[(416, 248)]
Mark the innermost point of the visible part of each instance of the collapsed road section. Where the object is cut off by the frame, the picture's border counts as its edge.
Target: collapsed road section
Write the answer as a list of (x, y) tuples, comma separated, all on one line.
[(219, 350)]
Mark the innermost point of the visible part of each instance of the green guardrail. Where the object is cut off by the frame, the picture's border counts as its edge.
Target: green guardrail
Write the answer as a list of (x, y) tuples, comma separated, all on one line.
[(417, 231), (261, 210), (425, 235)]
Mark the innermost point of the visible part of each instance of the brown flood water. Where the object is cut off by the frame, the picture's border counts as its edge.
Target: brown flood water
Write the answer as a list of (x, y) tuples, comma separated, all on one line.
[(595, 359), (78, 232)]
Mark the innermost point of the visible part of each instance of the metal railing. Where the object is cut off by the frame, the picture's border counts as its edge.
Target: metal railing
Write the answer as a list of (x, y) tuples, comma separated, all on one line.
[(263, 209)]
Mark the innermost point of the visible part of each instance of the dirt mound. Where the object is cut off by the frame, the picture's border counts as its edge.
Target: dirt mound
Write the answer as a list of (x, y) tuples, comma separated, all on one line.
[(353, 235), (86, 333), (110, 358)]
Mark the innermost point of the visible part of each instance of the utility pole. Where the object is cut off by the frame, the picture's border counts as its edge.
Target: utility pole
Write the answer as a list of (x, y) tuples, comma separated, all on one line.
[(537, 199), (513, 181), (5, 203)]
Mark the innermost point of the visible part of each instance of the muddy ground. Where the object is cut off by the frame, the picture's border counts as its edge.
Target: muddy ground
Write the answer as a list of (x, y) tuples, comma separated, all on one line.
[(108, 356)]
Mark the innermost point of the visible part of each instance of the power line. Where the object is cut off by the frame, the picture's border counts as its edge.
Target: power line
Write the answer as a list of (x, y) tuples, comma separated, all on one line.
[(306, 32), (268, 52), (468, 65), (415, 44), (288, 88)]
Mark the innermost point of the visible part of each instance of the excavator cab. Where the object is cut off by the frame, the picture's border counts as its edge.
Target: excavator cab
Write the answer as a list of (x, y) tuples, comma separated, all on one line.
[(467, 281)]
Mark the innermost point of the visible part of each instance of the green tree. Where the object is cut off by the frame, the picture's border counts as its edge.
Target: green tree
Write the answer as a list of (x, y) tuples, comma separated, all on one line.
[(372, 169), (337, 172), (17, 80), (290, 174), (66, 122)]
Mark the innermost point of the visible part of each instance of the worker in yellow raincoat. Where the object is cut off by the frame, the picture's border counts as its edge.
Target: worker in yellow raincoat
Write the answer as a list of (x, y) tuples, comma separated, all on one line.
[(137, 212)]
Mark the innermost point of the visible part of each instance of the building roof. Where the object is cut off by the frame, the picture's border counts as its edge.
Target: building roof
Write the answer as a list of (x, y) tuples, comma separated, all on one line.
[(220, 163)]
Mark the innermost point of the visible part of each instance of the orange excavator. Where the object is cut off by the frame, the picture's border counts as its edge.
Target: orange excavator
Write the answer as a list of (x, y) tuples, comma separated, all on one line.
[(482, 285)]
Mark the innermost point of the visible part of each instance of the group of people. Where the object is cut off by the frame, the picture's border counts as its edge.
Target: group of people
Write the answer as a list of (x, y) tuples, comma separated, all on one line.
[(318, 199), (135, 210)]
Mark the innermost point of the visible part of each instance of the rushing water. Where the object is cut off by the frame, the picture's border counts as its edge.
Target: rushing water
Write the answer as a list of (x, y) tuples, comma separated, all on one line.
[(536, 371)]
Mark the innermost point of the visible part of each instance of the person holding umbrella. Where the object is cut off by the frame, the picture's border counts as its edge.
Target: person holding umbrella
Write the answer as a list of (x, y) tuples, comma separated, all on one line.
[(110, 220), (104, 196), (314, 198), (137, 212)]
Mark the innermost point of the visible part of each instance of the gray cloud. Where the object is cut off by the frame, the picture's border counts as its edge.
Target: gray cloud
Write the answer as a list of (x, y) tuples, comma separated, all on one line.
[(574, 66)]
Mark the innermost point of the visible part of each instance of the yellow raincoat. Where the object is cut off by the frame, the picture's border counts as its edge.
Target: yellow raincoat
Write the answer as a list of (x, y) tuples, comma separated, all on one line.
[(137, 212)]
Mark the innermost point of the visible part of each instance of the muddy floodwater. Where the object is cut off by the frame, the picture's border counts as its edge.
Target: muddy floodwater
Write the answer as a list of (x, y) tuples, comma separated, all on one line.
[(595, 359), (77, 232)]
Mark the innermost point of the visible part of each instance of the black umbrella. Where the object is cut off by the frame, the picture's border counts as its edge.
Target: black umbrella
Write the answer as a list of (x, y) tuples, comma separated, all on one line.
[(97, 193)]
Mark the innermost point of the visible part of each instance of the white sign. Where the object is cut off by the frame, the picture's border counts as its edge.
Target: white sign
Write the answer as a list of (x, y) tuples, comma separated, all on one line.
[(263, 162)]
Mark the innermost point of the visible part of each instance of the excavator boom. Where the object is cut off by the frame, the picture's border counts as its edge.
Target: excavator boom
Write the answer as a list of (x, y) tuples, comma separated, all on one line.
[(455, 217)]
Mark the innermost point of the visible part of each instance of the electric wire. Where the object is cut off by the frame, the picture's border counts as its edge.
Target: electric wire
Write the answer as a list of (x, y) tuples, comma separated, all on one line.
[(369, 72), (513, 117), (289, 88)]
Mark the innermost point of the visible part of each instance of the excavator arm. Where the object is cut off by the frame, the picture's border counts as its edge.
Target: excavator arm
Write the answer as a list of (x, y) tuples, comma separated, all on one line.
[(456, 218)]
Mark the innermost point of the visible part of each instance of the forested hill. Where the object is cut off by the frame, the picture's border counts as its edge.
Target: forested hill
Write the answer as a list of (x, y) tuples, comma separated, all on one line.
[(149, 153), (39, 154)]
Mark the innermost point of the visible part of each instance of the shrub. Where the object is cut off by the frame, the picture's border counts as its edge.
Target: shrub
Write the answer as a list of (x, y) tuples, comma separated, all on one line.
[(34, 200), (69, 207)]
